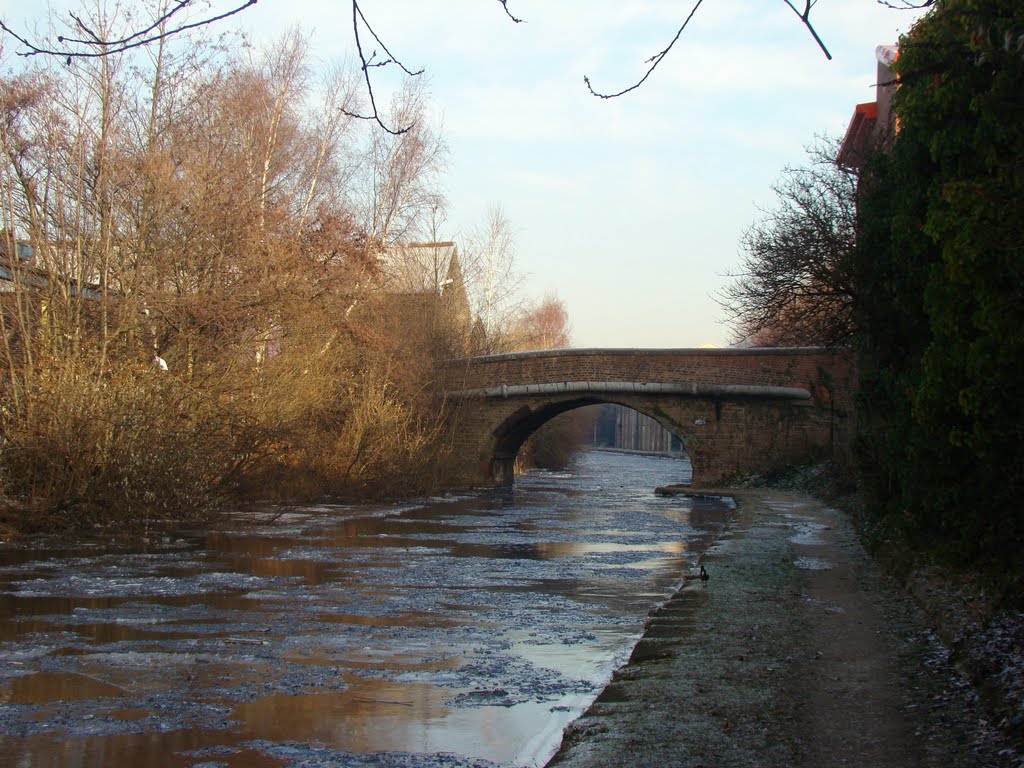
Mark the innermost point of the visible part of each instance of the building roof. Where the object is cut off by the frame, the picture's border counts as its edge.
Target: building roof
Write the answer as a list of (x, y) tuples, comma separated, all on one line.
[(418, 267), (859, 139), (872, 126)]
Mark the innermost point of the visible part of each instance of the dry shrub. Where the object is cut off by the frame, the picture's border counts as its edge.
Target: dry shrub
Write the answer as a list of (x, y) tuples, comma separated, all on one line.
[(343, 417), (133, 447), (386, 442), (142, 446)]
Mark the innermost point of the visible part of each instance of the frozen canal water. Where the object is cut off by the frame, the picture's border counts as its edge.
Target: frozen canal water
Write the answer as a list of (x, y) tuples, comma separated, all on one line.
[(461, 632)]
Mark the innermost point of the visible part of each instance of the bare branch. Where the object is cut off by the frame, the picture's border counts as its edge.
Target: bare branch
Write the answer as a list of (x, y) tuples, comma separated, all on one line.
[(504, 4), (367, 63), (95, 39), (93, 46), (654, 61), (392, 58), (805, 17)]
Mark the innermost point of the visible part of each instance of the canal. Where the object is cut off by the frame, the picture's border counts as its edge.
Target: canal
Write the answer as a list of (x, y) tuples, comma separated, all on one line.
[(461, 631)]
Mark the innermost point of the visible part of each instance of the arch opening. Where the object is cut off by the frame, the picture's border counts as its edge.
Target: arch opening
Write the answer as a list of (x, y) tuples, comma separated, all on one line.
[(596, 424)]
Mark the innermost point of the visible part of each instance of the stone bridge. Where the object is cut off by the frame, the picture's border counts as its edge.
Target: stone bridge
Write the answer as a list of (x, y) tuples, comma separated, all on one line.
[(735, 410)]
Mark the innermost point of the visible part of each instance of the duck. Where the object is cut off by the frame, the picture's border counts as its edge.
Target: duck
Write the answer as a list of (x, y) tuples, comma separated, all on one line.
[(701, 574)]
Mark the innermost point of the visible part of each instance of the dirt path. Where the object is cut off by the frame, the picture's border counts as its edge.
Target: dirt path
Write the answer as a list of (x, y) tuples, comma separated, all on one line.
[(795, 653)]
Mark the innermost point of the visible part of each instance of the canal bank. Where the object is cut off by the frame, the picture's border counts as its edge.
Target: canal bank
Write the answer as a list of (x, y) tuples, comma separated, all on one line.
[(796, 652)]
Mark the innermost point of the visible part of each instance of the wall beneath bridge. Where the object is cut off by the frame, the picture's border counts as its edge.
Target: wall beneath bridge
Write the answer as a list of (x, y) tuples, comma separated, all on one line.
[(736, 410)]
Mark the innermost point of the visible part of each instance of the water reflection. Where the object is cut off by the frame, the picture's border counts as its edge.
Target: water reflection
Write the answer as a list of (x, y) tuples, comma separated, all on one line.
[(475, 626)]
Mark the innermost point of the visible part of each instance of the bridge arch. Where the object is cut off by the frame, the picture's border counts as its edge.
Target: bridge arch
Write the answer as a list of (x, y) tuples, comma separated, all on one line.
[(510, 435), (735, 410)]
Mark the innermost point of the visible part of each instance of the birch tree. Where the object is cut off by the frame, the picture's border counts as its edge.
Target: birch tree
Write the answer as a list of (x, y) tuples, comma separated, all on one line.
[(492, 279), (399, 179)]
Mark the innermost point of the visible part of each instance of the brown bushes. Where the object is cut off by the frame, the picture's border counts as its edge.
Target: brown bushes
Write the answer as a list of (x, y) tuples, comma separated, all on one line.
[(133, 446), (216, 212)]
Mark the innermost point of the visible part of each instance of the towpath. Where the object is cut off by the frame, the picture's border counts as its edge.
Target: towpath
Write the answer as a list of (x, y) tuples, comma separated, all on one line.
[(796, 652)]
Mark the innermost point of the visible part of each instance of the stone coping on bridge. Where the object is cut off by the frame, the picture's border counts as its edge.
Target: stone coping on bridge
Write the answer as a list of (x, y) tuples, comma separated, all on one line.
[(693, 351), (691, 389), (630, 351)]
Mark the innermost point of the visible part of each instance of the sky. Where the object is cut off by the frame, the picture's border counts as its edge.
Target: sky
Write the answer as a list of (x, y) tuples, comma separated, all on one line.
[(629, 210)]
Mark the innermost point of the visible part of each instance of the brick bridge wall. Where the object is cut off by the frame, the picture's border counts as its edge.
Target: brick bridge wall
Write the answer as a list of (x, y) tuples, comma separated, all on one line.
[(736, 410)]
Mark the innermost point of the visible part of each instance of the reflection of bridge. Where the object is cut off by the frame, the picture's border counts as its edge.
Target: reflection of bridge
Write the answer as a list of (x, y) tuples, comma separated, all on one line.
[(736, 410)]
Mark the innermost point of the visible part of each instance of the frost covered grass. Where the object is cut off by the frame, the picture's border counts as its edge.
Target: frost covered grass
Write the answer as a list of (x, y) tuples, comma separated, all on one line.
[(817, 478)]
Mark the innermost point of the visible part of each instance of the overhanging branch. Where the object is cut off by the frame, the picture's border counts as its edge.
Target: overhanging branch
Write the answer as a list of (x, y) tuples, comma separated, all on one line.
[(805, 17), (92, 46), (504, 4), (654, 61), (371, 62)]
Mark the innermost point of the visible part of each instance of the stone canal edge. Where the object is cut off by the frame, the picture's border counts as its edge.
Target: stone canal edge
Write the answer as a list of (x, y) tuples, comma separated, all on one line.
[(796, 652)]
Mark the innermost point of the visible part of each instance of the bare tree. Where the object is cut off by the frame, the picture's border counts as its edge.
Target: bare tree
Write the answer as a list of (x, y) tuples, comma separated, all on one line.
[(545, 326), (397, 184), (196, 207), (331, 169), (794, 285), (491, 278)]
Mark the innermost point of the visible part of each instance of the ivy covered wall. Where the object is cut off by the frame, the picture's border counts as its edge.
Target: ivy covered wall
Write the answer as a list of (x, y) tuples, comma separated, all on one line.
[(940, 262)]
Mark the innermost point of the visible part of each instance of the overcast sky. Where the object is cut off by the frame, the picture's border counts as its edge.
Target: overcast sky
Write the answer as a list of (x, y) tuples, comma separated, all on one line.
[(630, 209)]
